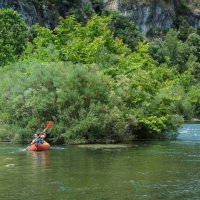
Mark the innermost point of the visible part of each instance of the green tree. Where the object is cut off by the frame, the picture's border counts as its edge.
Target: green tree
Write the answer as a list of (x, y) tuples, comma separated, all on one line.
[(13, 35), (194, 40), (194, 98), (149, 92), (41, 47), (73, 41), (173, 51), (156, 50), (184, 30), (125, 29)]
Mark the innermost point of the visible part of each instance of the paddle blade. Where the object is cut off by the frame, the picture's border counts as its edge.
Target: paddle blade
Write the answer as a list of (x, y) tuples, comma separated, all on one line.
[(49, 124)]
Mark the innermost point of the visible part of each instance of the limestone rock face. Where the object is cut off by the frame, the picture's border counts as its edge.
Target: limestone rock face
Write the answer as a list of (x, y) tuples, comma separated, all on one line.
[(149, 15), (33, 12)]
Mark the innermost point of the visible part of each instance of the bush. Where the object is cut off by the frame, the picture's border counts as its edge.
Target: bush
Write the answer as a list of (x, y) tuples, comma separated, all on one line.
[(78, 98)]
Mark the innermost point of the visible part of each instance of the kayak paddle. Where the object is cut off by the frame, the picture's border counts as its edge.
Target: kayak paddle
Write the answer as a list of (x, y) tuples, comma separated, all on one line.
[(49, 125)]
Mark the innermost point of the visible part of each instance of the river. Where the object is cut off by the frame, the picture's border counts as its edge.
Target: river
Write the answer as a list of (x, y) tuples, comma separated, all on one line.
[(143, 170)]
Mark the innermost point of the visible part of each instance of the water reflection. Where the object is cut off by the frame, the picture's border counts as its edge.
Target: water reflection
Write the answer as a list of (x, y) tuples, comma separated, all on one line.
[(39, 159)]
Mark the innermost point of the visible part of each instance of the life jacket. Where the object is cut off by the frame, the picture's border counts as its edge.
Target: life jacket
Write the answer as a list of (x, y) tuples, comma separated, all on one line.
[(38, 140)]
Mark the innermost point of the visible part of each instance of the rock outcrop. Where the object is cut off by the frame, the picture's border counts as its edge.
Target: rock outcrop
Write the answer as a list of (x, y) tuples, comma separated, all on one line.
[(149, 15), (34, 11), (152, 15)]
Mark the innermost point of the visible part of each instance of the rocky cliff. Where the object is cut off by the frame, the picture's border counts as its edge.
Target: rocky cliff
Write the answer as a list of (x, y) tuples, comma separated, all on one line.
[(149, 15), (154, 14), (45, 12)]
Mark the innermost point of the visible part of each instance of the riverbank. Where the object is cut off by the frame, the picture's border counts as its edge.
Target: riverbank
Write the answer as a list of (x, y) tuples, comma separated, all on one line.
[(194, 120)]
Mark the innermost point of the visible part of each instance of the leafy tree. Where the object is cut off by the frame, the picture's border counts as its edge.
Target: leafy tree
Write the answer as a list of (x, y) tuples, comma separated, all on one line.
[(148, 91), (153, 102), (13, 35), (184, 30), (125, 29), (172, 51), (194, 97), (73, 41), (156, 50), (42, 45), (194, 41), (97, 6)]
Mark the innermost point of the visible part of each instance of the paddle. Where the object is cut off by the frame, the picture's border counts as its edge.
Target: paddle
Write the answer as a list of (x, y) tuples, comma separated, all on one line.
[(49, 125)]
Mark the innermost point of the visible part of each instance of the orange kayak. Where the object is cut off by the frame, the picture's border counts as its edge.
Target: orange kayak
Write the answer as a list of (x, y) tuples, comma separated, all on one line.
[(40, 147)]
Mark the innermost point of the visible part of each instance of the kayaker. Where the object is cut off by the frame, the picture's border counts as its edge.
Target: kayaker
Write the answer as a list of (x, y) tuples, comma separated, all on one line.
[(38, 139)]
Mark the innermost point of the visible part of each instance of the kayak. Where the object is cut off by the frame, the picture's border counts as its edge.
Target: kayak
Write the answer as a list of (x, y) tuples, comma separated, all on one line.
[(40, 147)]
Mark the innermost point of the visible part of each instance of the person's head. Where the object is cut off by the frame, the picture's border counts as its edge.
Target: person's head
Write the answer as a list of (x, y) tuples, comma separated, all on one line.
[(36, 134)]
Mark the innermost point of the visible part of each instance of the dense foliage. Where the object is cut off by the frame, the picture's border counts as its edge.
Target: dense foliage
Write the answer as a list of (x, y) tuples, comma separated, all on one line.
[(125, 29), (99, 84), (12, 35), (78, 98)]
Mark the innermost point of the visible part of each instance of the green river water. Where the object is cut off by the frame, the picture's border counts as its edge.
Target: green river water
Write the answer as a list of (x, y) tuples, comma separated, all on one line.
[(143, 170)]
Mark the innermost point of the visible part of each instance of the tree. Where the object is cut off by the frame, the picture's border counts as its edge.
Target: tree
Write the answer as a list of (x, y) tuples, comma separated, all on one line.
[(78, 43), (125, 29), (13, 35), (172, 51), (184, 30), (194, 40)]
